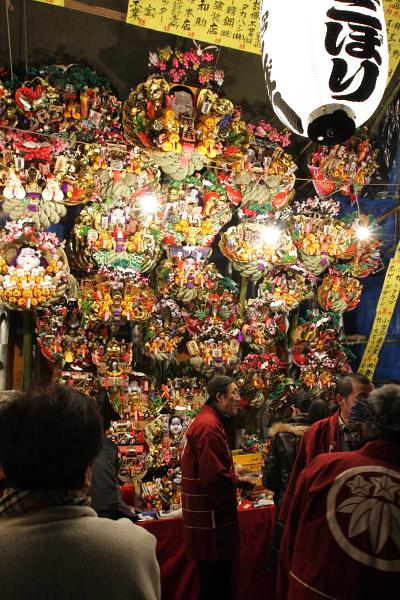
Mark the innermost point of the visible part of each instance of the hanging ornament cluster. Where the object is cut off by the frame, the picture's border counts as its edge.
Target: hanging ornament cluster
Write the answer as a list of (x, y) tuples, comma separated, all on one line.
[(181, 116), (319, 353), (343, 168), (190, 251), (34, 268)]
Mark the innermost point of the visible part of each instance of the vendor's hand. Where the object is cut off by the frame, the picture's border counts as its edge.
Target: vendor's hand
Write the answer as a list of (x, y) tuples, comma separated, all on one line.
[(246, 482)]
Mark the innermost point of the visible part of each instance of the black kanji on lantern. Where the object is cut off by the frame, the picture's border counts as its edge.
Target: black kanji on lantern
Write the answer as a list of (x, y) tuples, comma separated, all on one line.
[(358, 35)]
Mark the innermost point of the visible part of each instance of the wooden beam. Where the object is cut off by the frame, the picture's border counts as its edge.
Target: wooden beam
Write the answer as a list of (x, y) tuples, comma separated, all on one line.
[(98, 11)]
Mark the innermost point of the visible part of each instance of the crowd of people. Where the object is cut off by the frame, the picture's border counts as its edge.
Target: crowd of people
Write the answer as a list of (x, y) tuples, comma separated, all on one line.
[(336, 480)]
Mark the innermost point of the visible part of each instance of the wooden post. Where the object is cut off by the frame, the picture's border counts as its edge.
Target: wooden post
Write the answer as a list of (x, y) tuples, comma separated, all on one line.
[(27, 350), (243, 293)]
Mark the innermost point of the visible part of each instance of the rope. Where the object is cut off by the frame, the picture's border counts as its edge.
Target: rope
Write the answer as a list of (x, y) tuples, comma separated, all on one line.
[(9, 7)]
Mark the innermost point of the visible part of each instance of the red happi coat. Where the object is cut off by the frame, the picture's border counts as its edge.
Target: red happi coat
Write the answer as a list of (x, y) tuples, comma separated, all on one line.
[(208, 490), (342, 535), (321, 437)]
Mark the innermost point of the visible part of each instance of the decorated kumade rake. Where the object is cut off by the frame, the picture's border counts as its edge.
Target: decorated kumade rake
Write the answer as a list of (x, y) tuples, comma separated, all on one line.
[(339, 292), (113, 360), (32, 178), (263, 324), (184, 126), (71, 101), (115, 300), (194, 210), (321, 241), (345, 169), (185, 275), (215, 351), (34, 267), (134, 401), (284, 288), (258, 373), (111, 235), (62, 336), (251, 251), (268, 174), (318, 352), (164, 331)]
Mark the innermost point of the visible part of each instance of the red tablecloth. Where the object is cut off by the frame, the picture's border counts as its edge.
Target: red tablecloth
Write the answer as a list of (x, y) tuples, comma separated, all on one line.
[(179, 577)]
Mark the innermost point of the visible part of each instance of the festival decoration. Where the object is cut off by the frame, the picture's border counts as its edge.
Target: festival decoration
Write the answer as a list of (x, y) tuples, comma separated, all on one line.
[(112, 235), (184, 278), (33, 265), (263, 324), (366, 257), (344, 79), (32, 187), (339, 292), (268, 174), (115, 300), (214, 351), (113, 360), (63, 337), (134, 400), (183, 120), (218, 306), (321, 240), (8, 107), (258, 373), (253, 251), (345, 169), (285, 288), (71, 101), (164, 331), (319, 353), (193, 210)]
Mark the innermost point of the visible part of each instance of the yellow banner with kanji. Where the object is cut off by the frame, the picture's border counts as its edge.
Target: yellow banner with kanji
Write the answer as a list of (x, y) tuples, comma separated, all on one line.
[(384, 312), (231, 23), (55, 2), (392, 18)]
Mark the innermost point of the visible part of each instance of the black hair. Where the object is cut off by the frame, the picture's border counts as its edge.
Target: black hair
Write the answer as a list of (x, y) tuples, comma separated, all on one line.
[(318, 410), (48, 438), (302, 401), (345, 385), (223, 391)]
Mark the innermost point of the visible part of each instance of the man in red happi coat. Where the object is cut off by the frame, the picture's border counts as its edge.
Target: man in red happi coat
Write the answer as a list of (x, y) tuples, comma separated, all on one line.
[(342, 535), (332, 434), (209, 491)]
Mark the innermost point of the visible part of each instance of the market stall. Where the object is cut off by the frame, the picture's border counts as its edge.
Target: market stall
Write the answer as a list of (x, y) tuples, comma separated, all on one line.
[(153, 242)]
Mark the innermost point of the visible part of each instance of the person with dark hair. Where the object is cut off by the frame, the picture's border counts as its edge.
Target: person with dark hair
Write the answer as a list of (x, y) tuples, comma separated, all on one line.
[(48, 442), (318, 410), (285, 440), (104, 492), (346, 505), (327, 435), (278, 464), (209, 487)]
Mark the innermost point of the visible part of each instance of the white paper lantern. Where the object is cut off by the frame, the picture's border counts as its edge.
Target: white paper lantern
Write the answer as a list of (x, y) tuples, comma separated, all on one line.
[(325, 64)]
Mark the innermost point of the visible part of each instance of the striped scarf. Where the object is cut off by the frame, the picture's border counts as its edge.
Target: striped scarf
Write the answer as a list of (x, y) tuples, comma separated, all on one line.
[(16, 502)]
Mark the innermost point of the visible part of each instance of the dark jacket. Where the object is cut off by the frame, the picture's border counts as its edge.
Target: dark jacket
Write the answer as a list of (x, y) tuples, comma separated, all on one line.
[(209, 483), (104, 491), (285, 441)]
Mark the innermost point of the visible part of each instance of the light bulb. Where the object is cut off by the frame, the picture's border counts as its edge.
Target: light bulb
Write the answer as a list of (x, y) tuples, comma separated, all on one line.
[(148, 203), (271, 234), (362, 232)]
